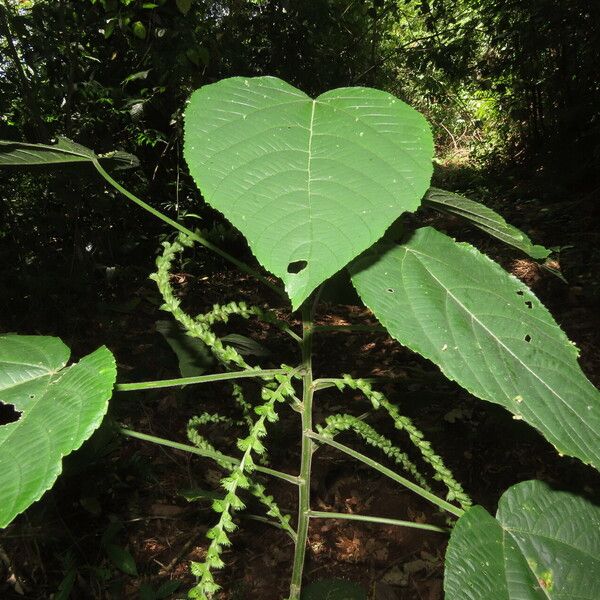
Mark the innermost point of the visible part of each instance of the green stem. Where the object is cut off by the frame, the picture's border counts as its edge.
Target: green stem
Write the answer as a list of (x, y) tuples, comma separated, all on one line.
[(350, 328), (206, 453), (382, 520), (307, 450), (328, 382), (163, 383), (417, 489), (292, 334), (261, 519), (238, 263)]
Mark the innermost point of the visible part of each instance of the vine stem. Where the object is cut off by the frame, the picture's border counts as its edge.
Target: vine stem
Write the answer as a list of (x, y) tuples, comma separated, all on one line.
[(163, 383), (308, 447), (242, 266), (217, 456), (417, 489)]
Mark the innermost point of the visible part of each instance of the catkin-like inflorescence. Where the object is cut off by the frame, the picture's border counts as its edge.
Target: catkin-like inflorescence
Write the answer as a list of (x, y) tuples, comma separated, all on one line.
[(338, 423), (239, 478), (275, 389), (404, 423), (200, 326)]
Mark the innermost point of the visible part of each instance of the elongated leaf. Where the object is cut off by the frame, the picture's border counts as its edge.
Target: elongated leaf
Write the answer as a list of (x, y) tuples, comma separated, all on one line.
[(543, 544), (139, 30), (486, 331), (122, 559), (193, 355), (245, 346), (484, 218), (22, 154), (310, 183), (60, 408)]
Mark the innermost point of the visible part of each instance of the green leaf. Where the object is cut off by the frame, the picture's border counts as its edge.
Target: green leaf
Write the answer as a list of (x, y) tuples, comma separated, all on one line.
[(119, 161), (66, 586), (184, 6), (193, 355), (147, 592), (139, 30), (245, 346), (485, 330), (136, 76), (333, 589), (122, 559), (60, 408), (198, 56), (64, 151), (21, 154), (168, 588), (484, 218), (543, 544), (310, 183), (109, 29)]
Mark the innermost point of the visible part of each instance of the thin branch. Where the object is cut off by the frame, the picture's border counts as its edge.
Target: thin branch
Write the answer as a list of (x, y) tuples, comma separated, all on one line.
[(417, 489), (164, 383), (370, 519), (205, 453), (197, 238)]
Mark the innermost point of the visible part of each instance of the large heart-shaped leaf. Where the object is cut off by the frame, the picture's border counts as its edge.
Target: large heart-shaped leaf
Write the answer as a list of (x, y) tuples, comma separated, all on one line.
[(60, 408), (543, 544), (486, 331), (310, 183)]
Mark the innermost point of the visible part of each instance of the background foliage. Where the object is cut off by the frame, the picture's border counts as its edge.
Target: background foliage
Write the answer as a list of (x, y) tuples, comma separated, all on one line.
[(507, 81)]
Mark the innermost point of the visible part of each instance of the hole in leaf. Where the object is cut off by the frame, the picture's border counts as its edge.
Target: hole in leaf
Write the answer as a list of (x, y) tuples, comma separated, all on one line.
[(527, 338), (529, 304), (520, 292), (296, 266), (8, 414), (390, 290)]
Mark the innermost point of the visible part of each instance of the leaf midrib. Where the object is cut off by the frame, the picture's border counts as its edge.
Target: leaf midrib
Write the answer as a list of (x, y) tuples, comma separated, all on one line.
[(492, 335)]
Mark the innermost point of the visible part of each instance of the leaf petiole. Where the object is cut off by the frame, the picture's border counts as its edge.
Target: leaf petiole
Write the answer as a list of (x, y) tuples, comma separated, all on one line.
[(164, 383), (206, 453)]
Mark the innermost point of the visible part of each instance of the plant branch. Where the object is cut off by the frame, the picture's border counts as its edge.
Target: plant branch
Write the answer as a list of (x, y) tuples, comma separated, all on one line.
[(389, 473), (370, 519), (205, 453), (164, 383), (194, 236), (262, 519)]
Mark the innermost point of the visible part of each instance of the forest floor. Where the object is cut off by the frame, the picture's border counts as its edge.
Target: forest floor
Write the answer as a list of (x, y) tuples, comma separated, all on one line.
[(130, 495)]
